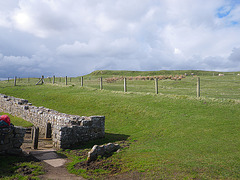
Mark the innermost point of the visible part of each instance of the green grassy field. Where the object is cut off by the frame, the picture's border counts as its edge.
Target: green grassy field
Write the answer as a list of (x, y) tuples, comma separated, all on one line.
[(219, 87), (173, 135)]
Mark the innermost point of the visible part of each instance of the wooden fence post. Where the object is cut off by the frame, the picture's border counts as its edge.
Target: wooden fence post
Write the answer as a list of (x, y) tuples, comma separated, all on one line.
[(8, 79), (156, 85), (35, 138), (198, 86), (101, 86), (53, 81), (125, 84), (42, 79), (66, 80), (15, 80), (82, 81)]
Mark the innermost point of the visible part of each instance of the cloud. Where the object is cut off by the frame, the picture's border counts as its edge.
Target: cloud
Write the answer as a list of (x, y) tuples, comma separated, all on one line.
[(43, 22), (77, 37), (235, 55)]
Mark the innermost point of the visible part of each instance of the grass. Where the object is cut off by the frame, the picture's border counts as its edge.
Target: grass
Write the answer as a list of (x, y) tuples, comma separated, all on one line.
[(219, 87), (172, 136), (13, 167), (16, 121), (162, 72)]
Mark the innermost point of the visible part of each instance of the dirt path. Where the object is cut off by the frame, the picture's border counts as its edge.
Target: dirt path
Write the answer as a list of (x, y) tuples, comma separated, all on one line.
[(58, 173), (53, 164)]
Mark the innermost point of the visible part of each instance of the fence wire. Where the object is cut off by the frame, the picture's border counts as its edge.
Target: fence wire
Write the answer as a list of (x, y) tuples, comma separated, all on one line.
[(227, 87)]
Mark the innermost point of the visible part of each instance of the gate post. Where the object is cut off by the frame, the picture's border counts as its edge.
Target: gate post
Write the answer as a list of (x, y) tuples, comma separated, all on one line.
[(35, 137)]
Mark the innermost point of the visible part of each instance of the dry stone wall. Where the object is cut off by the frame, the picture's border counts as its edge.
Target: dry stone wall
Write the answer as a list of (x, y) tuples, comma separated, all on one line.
[(11, 139), (66, 130)]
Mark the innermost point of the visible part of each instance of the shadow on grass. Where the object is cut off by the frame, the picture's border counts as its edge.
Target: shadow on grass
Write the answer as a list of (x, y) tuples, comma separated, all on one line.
[(109, 137), (10, 165)]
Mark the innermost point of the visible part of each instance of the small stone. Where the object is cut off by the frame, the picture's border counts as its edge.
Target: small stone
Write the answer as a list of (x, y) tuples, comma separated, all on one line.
[(25, 107)]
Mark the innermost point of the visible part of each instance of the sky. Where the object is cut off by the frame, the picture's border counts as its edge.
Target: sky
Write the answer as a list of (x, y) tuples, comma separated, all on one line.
[(76, 37)]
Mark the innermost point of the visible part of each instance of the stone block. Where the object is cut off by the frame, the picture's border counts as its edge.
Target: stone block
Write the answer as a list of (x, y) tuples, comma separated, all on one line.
[(86, 123), (19, 130), (25, 107), (4, 147), (14, 151)]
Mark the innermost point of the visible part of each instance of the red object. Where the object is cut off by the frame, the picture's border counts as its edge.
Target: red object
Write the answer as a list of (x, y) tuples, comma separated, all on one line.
[(5, 118)]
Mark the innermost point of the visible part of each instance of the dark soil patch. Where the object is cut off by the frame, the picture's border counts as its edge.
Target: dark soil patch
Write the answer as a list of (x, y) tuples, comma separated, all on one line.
[(102, 167), (107, 165), (25, 170), (11, 165)]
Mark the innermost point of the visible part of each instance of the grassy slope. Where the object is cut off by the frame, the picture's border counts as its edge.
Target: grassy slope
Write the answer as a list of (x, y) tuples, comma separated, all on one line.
[(211, 87), (16, 121), (152, 73), (171, 137)]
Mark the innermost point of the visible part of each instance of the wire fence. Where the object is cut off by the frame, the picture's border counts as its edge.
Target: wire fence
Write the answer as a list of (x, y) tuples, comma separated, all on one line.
[(221, 87)]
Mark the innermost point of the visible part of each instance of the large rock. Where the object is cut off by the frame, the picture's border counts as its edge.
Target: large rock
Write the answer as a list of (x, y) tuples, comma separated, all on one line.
[(101, 151)]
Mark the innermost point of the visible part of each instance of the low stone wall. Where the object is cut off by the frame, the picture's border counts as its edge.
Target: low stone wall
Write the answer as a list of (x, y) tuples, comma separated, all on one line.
[(11, 139), (67, 130), (89, 128)]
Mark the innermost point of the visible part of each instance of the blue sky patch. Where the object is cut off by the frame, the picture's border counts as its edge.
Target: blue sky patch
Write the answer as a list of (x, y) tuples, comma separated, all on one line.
[(234, 23), (223, 11), (226, 9)]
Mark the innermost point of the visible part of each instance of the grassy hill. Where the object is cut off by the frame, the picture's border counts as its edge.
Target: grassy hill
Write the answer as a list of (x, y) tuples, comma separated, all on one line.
[(152, 73), (169, 136)]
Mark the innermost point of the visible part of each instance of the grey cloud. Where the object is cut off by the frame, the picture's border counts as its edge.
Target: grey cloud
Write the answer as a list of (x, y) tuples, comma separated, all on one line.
[(122, 47), (77, 37), (235, 55)]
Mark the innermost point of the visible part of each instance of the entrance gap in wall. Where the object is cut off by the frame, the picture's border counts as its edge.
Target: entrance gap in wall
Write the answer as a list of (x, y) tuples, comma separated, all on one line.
[(44, 140)]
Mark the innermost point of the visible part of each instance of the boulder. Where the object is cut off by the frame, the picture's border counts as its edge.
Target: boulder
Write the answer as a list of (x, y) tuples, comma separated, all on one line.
[(101, 151)]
